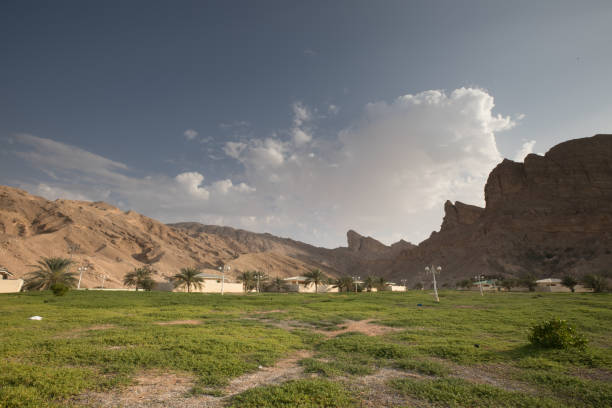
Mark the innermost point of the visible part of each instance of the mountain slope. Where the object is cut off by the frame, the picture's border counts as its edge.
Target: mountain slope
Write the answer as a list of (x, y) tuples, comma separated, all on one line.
[(548, 216)]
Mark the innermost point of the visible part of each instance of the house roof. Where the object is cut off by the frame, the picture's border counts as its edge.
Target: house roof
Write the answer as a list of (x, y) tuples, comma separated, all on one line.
[(210, 276), (296, 278), (3, 270), (549, 280)]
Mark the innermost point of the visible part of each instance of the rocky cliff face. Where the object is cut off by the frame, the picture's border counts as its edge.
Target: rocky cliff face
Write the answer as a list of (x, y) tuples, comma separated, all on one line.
[(548, 216)]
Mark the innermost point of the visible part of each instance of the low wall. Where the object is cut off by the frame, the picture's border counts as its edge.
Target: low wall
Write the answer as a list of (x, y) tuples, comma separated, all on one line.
[(10, 285), (208, 286)]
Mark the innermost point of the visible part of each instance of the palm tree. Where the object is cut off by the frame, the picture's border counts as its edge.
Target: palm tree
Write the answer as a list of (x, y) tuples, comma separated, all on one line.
[(139, 278), (381, 283), (51, 271), (315, 276), (248, 280), (278, 285), (569, 282), (345, 282), (188, 277), (369, 282)]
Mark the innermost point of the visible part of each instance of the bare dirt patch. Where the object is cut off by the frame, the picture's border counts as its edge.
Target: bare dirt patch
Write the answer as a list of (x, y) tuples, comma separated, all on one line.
[(497, 375), (176, 322), (156, 389), (373, 391), (362, 326)]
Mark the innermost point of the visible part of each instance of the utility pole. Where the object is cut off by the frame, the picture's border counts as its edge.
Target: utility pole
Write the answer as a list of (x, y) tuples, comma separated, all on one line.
[(81, 269), (222, 270)]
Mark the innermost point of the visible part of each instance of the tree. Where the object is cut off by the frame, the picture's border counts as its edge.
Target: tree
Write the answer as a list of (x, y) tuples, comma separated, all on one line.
[(381, 283), (258, 279), (529, 281), (345, 282), (418, 286), (51, 271), (369, 282), (595, 282), (188, 277), (507, 284), (465, 283), (315, 276), (140, 278), (569, 282), (276, 285), (248, 280)]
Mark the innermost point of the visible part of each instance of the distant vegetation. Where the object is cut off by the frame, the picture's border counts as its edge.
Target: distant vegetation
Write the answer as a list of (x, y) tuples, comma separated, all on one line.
[(188, 277), (51, 271), (140, 278)]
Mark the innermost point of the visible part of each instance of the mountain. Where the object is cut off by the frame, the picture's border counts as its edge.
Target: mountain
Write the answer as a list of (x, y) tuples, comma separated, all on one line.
[(548, 216), (112, 242)]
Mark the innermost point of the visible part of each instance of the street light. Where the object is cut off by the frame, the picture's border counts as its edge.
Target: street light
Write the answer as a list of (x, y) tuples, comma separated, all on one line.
[(405, 282), (434, 271), (479, 279), (355, 281), (81, 269), (222, 270)]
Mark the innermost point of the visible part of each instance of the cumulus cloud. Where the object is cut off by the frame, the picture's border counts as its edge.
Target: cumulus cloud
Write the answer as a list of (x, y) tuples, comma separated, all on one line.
[(190, 134), (525, 149), (191, 182), (386, 175)]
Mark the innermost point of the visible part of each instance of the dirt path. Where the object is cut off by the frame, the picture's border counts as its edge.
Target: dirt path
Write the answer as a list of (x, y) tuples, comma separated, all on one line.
[(156, 389)]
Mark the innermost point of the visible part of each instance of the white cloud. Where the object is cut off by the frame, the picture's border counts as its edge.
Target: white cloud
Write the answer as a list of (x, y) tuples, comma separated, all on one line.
[(191, 182), (190, 134), (525, 149), (301, 114), (300, 137), (333, 109), (233, 149), (391, 173)]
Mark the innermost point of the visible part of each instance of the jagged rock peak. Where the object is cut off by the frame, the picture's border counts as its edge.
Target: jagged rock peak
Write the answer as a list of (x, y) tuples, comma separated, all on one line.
[(572, 171), (460, 214)]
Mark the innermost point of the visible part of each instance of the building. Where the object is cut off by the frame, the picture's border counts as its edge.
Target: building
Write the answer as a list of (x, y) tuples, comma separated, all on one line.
[(487, 285), (299, 284), (8, 285), (555, 285), (212, 284)]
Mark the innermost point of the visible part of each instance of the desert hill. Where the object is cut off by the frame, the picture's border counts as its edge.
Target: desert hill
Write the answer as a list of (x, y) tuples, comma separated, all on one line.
[(112, 242), (548, 216)]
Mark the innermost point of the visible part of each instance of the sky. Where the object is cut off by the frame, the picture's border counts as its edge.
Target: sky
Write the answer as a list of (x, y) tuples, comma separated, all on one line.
[(300, 118)]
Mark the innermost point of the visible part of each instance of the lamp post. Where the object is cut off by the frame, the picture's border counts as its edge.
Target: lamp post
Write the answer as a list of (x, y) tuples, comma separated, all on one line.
[(222, 270), (103, 280), (355, 280), (405, 282), (434, 271), (81, 269), (479, 279)]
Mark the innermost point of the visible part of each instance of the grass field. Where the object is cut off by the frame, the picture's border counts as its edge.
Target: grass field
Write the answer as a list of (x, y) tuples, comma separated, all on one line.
[(356, 350)]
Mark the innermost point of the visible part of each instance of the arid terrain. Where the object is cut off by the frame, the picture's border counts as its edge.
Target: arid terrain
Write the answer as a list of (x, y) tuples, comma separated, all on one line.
[(547, 216)]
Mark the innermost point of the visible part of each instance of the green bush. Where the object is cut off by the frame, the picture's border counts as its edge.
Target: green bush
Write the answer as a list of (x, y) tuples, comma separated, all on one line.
[(59, 289), (556, 333)]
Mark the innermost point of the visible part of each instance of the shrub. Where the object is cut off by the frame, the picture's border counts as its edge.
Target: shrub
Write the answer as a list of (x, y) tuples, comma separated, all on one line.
[(595, 282), (556, 333), (59, 289)]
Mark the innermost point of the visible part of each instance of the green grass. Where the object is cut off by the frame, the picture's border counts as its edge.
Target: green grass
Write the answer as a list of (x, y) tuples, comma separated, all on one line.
[(302, 393), (48, 362)]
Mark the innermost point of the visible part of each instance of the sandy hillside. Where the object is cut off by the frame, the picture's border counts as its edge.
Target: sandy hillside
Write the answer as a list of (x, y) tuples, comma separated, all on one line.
[(113, 242)]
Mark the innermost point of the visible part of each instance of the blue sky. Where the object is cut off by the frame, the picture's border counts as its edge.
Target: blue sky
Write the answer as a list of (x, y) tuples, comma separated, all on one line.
[(293, 117)]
